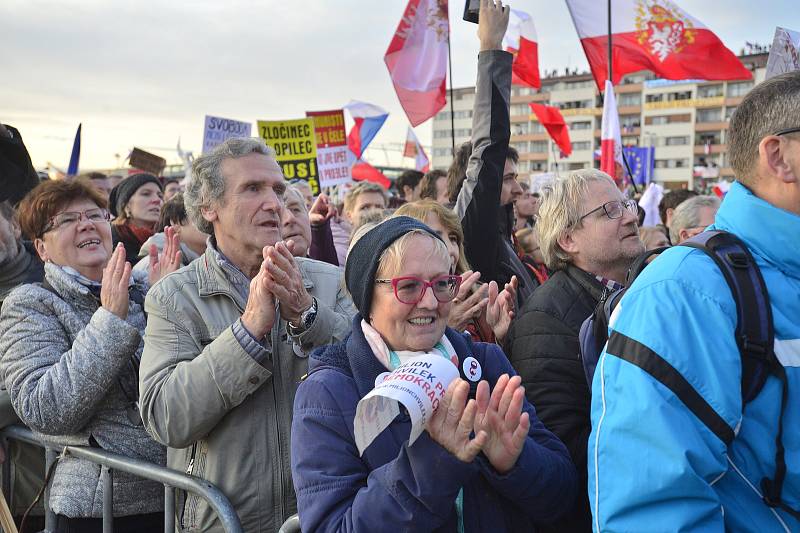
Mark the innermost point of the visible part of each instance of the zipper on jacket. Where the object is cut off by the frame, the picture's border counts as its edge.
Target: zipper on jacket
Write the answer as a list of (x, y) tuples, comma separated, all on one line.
[(276, 363), (189, 469)]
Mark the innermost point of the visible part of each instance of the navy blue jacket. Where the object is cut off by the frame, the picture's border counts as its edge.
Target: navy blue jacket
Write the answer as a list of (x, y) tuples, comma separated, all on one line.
[(395, 487)]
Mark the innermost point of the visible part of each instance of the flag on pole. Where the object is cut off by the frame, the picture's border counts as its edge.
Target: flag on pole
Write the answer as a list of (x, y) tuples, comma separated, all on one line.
[(75, 157), (417, 59), (652, 35), (368, 120), (610, 139), (363, 171), (520, 39), (553, 122), (642, 162), (414, 149)]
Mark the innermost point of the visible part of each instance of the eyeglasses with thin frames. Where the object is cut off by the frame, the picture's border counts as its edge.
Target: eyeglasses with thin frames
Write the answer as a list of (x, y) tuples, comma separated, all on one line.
[(787, 131), (411, 289), (70, 218), (614, 209)]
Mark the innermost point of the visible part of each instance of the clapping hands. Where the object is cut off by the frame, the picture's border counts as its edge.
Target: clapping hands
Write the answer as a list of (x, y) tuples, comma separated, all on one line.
[(170, 258), (500, 308), (114, 295), (499, 425), (500, 416)]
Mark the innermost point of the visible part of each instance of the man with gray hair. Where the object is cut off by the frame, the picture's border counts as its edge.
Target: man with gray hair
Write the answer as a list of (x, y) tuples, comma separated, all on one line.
[(589, 237), (692, 216), (310, 230), (680, 441), (228, 338)]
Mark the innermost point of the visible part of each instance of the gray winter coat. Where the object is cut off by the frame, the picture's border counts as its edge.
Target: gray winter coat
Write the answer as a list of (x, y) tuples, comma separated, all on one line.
[(225, 416), (70, 369)]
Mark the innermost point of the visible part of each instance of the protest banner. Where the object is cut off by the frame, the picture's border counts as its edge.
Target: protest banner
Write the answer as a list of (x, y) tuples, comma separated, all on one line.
[(295, 148), (334, 159), (784, 56), (218, 130), (419, 385), (147, 162)]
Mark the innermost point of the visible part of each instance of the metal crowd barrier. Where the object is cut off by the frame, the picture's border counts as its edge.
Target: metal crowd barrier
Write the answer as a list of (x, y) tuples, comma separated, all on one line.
[(171, 479)]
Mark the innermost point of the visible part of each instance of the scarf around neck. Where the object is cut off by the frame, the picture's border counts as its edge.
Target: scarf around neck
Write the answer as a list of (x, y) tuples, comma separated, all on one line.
[(392, 359), (140, 233)]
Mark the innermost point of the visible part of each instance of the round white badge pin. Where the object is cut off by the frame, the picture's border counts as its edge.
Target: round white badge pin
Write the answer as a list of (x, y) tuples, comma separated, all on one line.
[(472, 369)]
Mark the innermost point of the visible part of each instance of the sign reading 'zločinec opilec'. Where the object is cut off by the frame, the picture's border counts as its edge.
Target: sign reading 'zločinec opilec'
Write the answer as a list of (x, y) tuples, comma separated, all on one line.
[(295, 148)]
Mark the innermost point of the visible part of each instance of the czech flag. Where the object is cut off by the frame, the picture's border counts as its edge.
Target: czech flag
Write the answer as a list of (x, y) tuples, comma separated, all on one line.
[(652, 35), (368, 120)]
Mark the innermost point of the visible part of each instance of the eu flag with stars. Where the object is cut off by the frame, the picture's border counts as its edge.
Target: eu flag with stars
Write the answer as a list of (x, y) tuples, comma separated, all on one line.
[(642, 162)]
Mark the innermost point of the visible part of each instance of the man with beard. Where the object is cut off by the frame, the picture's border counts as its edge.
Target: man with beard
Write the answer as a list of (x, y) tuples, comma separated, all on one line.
[(589, 237)]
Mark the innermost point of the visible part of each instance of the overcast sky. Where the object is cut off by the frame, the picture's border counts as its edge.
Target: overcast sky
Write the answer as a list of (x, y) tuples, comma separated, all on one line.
[(144, 73)]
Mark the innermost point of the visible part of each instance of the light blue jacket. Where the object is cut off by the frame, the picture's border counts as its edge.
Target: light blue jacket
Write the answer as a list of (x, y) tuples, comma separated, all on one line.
[(653, 465)]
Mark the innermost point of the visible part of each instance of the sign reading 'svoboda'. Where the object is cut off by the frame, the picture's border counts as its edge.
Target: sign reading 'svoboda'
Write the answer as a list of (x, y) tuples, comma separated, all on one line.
[(295, 148)]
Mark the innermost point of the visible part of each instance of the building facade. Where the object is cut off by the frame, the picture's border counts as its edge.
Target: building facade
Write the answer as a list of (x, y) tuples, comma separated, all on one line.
[(686, 122)]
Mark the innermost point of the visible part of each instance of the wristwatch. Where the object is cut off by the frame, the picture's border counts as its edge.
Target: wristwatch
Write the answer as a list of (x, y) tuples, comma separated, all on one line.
[(306, 319)]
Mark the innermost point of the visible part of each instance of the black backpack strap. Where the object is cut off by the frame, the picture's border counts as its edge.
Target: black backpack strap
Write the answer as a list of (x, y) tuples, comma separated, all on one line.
[(640, 262), (755, 337), (601, 317)]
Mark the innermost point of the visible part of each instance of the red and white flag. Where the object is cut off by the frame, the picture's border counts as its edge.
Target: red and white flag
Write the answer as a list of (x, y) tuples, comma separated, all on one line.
[(414, 149), (652, 35), (363, 171), (610, 140), (417, 59), (553, 122), (520, 39)]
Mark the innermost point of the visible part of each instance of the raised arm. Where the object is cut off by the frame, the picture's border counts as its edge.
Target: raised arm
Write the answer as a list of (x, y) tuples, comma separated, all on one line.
[(478, 203)]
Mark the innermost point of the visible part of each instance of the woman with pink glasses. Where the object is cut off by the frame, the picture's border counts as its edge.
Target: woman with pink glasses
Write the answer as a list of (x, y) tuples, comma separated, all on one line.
[(484, 463)]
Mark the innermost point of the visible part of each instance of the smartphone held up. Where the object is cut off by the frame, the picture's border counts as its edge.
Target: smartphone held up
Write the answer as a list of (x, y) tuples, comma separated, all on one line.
[(471, 10)]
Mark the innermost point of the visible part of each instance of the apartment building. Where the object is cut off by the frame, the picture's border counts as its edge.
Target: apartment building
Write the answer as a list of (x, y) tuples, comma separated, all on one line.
[(686, 122)]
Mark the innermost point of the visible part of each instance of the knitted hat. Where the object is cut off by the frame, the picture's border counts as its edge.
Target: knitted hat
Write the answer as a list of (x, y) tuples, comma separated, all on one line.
[(365, 254), (121, 194)]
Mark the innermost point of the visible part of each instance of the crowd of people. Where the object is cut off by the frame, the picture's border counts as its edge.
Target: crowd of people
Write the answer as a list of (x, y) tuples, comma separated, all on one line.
[(228, 328)]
